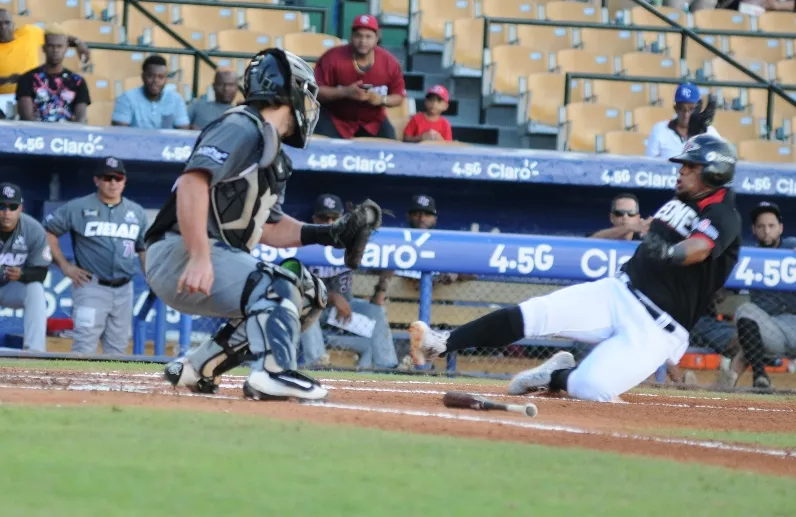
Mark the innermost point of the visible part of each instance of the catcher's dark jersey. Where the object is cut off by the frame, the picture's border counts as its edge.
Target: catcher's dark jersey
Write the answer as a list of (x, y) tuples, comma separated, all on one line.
[(685, 292)]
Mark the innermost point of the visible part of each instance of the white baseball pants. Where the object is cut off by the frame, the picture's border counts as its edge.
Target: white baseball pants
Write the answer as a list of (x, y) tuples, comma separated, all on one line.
[(631, 345)]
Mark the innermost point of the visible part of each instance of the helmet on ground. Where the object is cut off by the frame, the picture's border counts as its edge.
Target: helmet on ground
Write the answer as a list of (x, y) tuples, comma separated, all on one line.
[(716, 155), (279, 77)]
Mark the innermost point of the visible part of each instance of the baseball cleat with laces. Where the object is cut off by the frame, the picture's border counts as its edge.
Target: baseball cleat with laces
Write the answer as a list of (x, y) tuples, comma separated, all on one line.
[(425, 343), (538, 379)]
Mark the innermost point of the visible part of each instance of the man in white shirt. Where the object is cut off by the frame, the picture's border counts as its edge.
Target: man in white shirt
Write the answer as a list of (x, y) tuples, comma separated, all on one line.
[(668, 137)]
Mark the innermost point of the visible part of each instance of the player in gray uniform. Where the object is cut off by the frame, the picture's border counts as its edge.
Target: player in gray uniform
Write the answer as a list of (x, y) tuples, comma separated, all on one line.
[(227, 200), (767, 323), (24, 261), (107, 232), (379, 349)]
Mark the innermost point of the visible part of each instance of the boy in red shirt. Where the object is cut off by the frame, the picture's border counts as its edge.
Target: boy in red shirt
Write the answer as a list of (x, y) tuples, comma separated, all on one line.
[(431, 125)]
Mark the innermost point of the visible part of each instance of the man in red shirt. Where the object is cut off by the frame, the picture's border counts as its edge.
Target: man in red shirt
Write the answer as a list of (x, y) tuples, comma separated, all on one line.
[(357, 82), (431, 125)]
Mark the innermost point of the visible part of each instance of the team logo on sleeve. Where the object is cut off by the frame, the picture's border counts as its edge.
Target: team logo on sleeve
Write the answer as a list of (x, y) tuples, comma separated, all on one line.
[(212, 152), (47, 254), (130, 217), (708, 229)]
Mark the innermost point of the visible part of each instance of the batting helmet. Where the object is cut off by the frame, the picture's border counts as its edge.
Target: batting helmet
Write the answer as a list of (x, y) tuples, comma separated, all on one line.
[(716, 155), (279, 77)]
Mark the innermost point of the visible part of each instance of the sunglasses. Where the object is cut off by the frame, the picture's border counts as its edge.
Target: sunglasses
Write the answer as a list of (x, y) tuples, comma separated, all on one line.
[(629, 213), (112, 177), (12, 207)]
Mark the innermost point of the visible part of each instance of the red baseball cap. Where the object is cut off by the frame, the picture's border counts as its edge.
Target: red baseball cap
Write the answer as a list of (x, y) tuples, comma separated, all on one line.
[(440, 91), (365, 21)]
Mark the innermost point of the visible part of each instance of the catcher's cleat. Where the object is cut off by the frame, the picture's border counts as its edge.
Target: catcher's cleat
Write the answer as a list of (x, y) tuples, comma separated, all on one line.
[(425, 343), (181, 373), (280, 386), (537, 379)]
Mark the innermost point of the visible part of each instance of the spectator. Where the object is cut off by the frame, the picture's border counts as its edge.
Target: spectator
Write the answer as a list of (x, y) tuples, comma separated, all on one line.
[(353, 98), (668, 137), (151, 106), (431, 125), (626, 221), (225, 86), (767, 323), (107, 232), (378, 350), (24, 261), (52, 93), (19, 52)]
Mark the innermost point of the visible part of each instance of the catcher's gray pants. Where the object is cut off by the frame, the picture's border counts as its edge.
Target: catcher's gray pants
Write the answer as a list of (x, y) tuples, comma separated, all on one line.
[(30, 298), (778, 332), (102, 313), (378, 351)]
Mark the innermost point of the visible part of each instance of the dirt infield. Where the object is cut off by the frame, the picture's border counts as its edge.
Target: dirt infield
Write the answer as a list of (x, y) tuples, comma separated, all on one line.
[(635, 426)]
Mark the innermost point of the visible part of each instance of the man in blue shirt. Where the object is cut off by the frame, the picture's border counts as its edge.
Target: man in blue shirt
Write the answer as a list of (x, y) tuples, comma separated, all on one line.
[(151, 106)]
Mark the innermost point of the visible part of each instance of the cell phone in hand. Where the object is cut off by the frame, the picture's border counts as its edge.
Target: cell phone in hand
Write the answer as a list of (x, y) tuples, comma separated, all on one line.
[(366, 86)]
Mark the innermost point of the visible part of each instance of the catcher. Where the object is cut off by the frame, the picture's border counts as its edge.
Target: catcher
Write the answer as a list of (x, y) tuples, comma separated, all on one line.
[(227, 200)]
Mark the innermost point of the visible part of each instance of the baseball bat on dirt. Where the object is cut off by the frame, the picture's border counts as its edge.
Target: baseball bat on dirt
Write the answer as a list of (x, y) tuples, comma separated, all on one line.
[(459, 399)]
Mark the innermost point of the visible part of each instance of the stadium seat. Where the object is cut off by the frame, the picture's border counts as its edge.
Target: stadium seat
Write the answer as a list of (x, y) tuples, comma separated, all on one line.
[(645, 117), (463, 53), (722, 19), (785, 71), (209, 18), (137, 23), (20, 20), (72, 60), (585, 61), (510, 62), (765, 151), (646, 64), (99, 113), (276, 22), (569, 11), (427, 23), (628, 143), (581, 122), (758, 100), (542, 99), (393, 11), (95, 31), (399, 116), (695, 55), (736, 126), (623, 95), (160, 38), (116, 64), (520, 10), (640, 16), (57, 10), (543, 39), (777, 21), (185, 66), (100, 88), (309, 44), (610, 42), (766, 49), (241, 40), (721, 70)]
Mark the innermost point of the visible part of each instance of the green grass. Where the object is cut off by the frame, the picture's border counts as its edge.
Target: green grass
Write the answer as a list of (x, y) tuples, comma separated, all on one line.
[(776, 440), (89, 461)]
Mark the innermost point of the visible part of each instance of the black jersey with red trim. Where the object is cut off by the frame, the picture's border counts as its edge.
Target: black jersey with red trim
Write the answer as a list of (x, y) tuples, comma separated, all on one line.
[(686, 291)]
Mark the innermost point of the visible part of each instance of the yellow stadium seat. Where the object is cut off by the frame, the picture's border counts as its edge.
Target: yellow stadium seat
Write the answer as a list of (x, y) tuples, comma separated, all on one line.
[(640, 16), (209, 18), (650, 65), (735, 126), (696, 54), (240, 40), (722, 19), (583, 121), (510, 62), (275, 22), (393, 11), (116, 64), (99, 113), (721, 70), (100, 88), (568, 11), (160, 38), (110, 10), (428, 22), (785, 71), (463, 53), (544, 97), (585, 61), (519, 10), (610, 42), (765, 151), (309, 44), (645, 117), (137, 23), (72, 60), (777, 21), (399, 116), (758, 100), (765, 49), (543, 39), (623, 95), (57, 10), (206, 72), (629, 143), (94, 31)]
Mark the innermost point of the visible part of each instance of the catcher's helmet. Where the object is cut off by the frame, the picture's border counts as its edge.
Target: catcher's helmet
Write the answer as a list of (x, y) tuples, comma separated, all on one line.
[(716, 155), (280, 77)]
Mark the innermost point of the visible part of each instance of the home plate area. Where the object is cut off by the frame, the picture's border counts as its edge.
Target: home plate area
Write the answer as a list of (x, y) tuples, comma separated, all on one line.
[(640, 424)]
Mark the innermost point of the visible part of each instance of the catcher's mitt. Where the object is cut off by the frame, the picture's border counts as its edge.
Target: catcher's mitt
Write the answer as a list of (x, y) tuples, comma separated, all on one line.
[(701, 119), (353, 230)]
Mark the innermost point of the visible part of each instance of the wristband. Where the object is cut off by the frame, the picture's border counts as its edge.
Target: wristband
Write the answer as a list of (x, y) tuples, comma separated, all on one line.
[(317, 234)]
